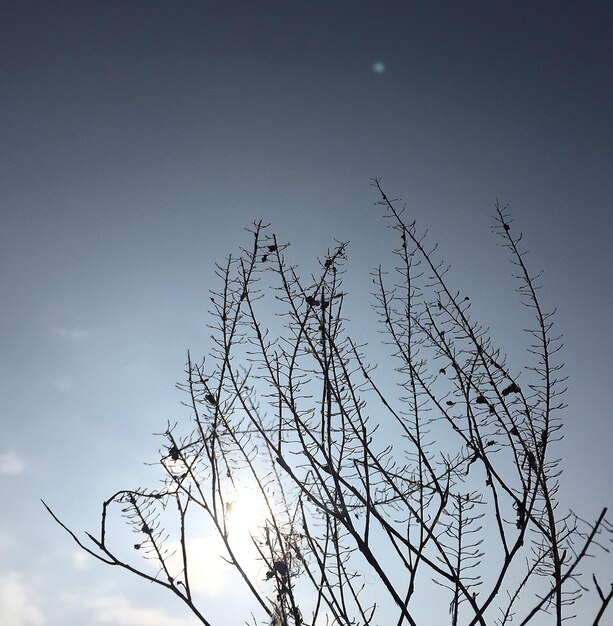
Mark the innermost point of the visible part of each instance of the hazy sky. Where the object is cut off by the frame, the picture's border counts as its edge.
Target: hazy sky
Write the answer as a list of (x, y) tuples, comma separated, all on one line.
[(138, 139)]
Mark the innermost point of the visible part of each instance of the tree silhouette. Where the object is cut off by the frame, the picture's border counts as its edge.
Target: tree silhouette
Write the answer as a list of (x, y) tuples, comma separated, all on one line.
[(373, 500)]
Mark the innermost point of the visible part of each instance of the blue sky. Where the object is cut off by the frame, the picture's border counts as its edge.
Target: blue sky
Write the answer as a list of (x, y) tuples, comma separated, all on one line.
[(139, 139)]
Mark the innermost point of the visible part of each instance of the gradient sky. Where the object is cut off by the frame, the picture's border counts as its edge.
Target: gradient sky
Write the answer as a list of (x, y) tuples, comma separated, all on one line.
[(138, 139)]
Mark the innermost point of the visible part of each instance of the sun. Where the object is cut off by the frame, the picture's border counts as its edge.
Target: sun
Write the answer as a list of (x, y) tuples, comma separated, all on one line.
[(210, 572), (246, 512)]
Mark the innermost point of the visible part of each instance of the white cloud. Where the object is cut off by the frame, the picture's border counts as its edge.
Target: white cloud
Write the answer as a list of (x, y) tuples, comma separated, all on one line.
[(81, 560), (74, 334), (17, 605), (118, 611), (11, 464), (69, 598)]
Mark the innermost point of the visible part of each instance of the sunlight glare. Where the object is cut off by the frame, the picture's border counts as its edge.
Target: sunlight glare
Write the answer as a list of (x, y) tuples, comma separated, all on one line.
[(246, 512)]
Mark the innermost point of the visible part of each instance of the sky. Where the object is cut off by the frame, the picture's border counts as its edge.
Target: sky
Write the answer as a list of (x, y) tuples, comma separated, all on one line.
[(140, 139)]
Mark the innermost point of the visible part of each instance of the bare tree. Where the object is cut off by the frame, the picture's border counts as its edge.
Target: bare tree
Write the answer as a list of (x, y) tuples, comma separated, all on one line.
[(372, 501)]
